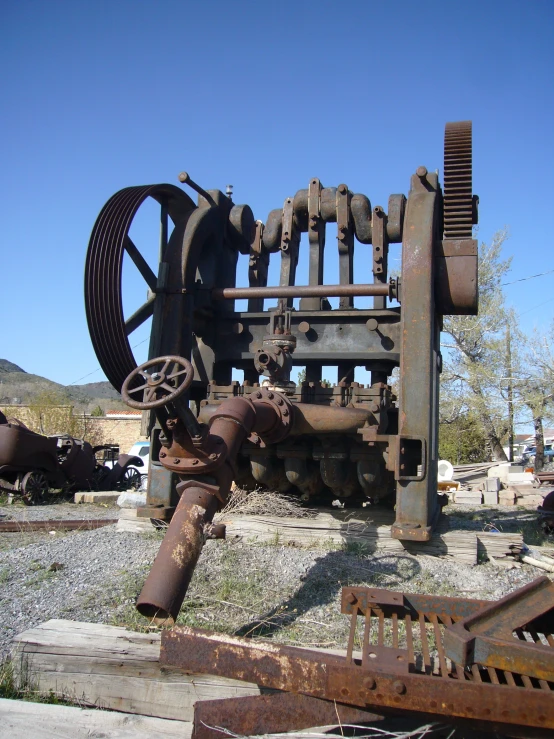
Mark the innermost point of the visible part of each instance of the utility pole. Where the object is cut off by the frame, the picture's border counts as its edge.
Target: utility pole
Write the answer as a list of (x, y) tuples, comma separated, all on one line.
[(510, 394)]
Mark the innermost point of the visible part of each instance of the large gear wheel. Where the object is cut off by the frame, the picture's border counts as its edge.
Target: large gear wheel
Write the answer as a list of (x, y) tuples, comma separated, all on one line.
[(459, 210)]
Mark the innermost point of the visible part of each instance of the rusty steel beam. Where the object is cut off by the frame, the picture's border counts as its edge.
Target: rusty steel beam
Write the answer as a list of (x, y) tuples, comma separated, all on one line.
[(487, 636), (417, 451), (269, 714), (55, 525)]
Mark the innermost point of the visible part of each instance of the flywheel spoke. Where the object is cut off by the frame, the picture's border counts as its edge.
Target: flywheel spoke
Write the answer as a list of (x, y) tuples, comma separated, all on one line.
[(141, 264), (141, 315)]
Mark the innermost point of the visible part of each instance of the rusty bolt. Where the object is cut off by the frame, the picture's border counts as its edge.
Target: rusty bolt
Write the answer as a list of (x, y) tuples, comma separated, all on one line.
[(304, 326), (176, 460), (344, 691), (280, 401), (342, 189), (402, 466), (421, 172), (402, 450), (270, 395), (258, 394), (285, 411), (399, 687), (213, 456), (163, 454), (195, 461), (369, 683)]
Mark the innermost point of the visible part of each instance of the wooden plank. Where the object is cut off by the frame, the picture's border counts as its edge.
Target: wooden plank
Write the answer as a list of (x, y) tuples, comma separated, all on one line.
[(371, 531), (109, 667), (25, 720)]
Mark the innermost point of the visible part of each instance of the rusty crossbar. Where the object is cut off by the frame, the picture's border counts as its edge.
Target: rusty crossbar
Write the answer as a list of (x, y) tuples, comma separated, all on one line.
[(304, 291)]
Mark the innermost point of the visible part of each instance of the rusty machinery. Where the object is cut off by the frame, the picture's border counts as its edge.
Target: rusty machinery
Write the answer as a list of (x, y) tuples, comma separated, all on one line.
[(420, 655), (346, 440)]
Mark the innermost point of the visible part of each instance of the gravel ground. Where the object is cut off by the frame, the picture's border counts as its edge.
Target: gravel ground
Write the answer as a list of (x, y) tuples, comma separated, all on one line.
[(281, 592)]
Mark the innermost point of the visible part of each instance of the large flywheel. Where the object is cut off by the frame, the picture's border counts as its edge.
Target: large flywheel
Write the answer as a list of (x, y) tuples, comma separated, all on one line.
[(109, 330), (458, 202)]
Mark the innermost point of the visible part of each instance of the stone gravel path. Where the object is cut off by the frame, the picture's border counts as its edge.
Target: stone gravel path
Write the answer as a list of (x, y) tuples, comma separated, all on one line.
[(281, 592)]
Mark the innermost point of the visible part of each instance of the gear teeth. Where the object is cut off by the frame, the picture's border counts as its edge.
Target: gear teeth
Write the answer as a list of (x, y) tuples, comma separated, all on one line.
[(457, 181)]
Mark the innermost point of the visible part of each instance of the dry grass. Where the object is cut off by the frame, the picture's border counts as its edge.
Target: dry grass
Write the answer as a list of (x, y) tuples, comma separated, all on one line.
[(260, 502)]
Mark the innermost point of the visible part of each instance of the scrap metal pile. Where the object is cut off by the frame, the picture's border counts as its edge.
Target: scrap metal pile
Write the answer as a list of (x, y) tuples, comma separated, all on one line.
[(31, 465), (346, 441), (486, 665)]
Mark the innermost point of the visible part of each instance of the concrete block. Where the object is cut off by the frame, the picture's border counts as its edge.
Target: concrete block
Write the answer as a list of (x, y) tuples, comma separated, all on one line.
[(500, 470), (492, 485), (530, 500), (130, 499), (506, 497), (516, 478), (105, 497), (469, 497), (491, 496)]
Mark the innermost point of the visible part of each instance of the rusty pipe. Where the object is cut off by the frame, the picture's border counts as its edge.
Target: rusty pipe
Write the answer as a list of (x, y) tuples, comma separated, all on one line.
[(166, 585), (319, 419), (304, 291), (313, 419)]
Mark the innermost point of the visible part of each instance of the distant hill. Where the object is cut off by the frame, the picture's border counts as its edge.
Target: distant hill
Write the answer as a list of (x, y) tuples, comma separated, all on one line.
[(15, 383), (6, 366)]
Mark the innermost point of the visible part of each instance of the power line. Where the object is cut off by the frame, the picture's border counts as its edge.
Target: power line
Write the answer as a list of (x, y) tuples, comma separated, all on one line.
[(532, 277), (98, 368), (536, 306)]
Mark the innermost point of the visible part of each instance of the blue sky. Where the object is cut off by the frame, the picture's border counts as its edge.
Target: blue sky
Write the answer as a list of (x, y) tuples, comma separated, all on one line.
[(264, 95)]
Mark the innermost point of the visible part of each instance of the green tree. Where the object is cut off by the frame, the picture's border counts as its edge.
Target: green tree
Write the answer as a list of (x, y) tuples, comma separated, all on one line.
[(463, 441), (97, 412), (474, 380)]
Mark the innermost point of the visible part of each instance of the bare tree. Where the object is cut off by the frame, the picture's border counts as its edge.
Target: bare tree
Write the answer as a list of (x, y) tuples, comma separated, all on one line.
[(535, 385)]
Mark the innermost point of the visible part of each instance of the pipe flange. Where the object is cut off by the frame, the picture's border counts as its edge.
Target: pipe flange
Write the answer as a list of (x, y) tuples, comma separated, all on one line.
[(203, 462), (283, 413)]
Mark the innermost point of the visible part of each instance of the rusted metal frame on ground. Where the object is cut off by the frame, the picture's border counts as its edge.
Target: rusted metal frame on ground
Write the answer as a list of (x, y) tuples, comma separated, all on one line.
[(415, 464), (274, 713), (410, 603), (334, 678), (55, 525), (487, 637)]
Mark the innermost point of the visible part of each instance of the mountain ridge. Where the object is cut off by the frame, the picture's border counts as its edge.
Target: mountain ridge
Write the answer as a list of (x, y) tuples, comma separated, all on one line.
[(18, 385)]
